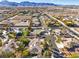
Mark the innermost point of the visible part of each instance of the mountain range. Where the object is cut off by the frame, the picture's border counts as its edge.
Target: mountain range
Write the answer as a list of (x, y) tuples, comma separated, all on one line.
[(25, 3)]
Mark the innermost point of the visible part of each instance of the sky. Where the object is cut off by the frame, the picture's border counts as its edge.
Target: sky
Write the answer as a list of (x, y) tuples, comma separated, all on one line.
[(64, 2)]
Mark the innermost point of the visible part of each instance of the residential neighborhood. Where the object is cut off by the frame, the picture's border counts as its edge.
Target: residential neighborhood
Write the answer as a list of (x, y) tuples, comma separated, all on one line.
[(44, 32)]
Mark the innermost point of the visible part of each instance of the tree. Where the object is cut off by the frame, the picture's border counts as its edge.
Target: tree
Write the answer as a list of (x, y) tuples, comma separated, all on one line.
[(21, 47), (0, 43), (58, 39), (24, 40), (57, 24), (74, 55), (25, 53), (7, 54), (12, 35), (0, 32), (47, 54), (25, 32), (69, 22), (47, 47)]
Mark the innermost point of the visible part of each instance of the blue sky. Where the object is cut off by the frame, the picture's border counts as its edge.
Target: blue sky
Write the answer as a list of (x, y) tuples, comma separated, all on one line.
[(65, 2)]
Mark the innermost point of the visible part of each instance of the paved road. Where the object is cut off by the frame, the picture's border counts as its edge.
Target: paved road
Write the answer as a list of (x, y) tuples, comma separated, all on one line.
[(23, 27), (71, 29)]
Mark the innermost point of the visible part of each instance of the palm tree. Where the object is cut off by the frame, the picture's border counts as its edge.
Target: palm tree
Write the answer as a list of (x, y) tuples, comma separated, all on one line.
[(47, 54), (47, 47)]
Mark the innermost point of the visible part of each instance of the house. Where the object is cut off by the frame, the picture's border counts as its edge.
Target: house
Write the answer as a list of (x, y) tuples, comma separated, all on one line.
[(36, 22), (23, 23), (66, 41), (57, 31)]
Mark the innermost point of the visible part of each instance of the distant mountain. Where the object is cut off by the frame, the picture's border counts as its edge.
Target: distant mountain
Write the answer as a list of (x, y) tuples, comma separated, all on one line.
[(7, 3), (25, 3)]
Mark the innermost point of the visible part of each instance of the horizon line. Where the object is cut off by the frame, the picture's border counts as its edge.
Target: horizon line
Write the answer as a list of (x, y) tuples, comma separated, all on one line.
[(39, 2)]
